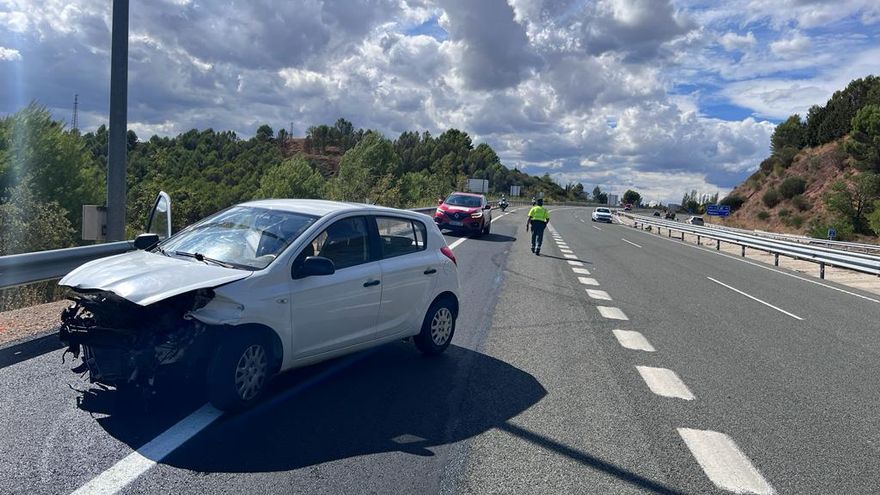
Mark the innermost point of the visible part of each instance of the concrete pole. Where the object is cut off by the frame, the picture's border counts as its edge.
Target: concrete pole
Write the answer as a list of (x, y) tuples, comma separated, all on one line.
[(117, 145)]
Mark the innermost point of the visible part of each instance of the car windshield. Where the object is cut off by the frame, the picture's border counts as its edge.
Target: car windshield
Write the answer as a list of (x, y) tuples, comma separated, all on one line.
[(242, 237), (463, 200), (603, 210)]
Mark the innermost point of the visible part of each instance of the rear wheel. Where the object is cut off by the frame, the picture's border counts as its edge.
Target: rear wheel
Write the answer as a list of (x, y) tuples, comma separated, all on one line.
[(437, 328), (238, 372)]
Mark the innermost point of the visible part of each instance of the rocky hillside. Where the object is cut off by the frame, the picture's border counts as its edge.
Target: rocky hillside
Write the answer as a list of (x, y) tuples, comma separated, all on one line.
[(818, 168)]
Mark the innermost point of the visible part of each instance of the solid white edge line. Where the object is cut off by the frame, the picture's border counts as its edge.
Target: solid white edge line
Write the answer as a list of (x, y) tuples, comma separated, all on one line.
[(612, 313), (633, 340), (665, 382), (598, 294), (140, 461), (629, 242), (765, 303), (765, 267), (724, 463)]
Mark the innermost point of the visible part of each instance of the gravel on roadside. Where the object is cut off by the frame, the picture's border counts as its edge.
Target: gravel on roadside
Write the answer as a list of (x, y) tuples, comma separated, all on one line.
[(25, 322)]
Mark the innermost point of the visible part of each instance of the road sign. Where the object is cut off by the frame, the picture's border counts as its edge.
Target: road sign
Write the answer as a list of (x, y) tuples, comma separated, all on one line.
[(514, 190), (832, 234), (718, 210)]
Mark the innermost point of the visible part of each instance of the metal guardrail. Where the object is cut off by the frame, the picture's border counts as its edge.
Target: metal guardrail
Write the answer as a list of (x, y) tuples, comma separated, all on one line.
[(823, 256), (26, 268), (802, 239)]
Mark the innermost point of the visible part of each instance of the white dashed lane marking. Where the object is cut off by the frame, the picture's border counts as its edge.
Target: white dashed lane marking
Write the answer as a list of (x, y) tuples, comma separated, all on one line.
[(665, 382), (588, 281), (724, 463), (597, 228), (566, 251), (598, 294), (633, 340), (570, 256), (581, 271), (628, 242), (611, 313), (575, 263), (765, 303)]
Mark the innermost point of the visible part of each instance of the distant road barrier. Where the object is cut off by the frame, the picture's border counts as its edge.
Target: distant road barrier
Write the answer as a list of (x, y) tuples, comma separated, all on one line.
[(823, 256), (26, 268)]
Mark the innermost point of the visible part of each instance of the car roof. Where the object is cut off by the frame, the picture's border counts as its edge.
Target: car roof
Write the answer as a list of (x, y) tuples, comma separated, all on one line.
[(467, 194), (318, 207)]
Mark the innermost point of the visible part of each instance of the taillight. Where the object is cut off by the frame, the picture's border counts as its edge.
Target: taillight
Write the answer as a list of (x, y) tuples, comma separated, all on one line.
[(448, 252)]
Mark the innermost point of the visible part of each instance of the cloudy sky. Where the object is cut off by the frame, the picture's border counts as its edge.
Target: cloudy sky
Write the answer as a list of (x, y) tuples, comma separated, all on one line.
[(661, 96)]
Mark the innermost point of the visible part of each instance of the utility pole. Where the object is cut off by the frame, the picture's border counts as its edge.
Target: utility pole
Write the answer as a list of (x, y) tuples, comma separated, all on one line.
[(117, 142)]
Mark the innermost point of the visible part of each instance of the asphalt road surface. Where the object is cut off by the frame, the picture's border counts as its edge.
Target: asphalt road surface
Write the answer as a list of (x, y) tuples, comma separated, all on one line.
[(616, 362)]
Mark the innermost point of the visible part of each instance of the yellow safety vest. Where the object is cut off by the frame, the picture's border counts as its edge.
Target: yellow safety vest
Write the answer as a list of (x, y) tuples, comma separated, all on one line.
[(539, 213)]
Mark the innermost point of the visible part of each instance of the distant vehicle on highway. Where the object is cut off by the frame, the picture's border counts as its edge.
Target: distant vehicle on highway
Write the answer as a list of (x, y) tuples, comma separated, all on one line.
[(260, 288), (601, 214), (464, 212), (627, 207), (695, 220), (670, 211), (656, 213)]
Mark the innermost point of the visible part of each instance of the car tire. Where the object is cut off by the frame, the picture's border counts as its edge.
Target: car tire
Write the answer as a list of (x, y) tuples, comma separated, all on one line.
[(438, 328), (238, 372)]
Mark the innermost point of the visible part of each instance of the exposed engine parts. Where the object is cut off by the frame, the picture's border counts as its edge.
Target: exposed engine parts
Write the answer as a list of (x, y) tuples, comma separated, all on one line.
[(122, 343)]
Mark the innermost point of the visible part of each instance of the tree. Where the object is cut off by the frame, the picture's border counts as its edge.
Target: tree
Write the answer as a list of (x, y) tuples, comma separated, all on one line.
[(733, 201), (265, 133), (632, 197), (874, 218), (27, 224), (294, 178), (789, 134), (852, 200), (864, 142)]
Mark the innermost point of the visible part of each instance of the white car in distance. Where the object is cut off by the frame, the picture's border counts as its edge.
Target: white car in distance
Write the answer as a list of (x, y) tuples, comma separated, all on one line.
[(601, 214), (260, 288)]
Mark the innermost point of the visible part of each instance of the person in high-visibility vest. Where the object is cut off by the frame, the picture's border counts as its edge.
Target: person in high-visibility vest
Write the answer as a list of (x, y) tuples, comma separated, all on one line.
[(539, 217)]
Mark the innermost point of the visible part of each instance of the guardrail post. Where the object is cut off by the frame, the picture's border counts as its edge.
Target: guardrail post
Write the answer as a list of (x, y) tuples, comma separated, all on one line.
[(717, 244), (698, 241), (669, 231), (775, 259), (821, 270), (682, 235), (744, 251)]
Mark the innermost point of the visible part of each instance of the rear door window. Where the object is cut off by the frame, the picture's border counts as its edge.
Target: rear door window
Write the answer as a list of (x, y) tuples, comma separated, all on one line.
[(399, 236)]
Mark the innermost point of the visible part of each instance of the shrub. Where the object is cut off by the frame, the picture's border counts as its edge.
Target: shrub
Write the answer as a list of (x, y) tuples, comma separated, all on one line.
[(792, 186), (733, 201), (786, 155), (767, 165), (771, 198), (800, 203), (763, 215), (784, 212), (844, 228), (796, 221)]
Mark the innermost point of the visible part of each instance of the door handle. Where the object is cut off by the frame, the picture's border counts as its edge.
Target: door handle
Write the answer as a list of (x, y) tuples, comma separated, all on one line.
[(371, 283), (430, 271)]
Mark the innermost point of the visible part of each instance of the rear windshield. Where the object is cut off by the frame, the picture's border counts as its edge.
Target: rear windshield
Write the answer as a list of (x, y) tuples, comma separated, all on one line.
[(603, 210), (462, 200)]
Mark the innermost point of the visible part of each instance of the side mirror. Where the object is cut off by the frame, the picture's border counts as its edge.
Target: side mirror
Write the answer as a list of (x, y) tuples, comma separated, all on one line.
[(439, 202), (487, 207), (314, 265), (146, 241)]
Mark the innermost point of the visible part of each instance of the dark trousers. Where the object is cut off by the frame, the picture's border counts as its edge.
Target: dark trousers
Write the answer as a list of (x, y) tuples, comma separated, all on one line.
[(538, 233)]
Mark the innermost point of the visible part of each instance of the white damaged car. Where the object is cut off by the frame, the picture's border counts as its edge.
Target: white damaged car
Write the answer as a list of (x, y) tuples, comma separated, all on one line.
[(260, 288)]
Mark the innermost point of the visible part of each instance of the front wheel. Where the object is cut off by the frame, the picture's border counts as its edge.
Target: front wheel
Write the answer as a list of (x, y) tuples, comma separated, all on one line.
[(437, 329), (238, 372)]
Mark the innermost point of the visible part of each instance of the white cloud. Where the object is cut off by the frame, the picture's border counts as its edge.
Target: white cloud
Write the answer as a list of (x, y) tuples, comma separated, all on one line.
[(795, 45), (9, 54), (733, 41)]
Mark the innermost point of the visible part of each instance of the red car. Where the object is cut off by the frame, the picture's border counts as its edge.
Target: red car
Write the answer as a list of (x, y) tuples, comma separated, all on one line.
[(464, 212)]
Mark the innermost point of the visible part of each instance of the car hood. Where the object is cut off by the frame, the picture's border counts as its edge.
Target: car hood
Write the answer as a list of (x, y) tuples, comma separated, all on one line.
[(145, 278), (456, 209)]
